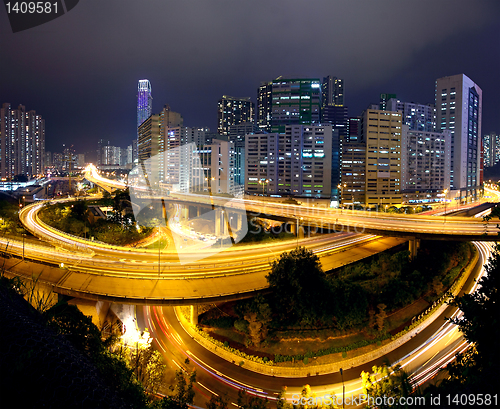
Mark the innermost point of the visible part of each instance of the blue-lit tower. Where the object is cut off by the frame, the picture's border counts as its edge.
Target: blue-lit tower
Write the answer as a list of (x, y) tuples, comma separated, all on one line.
[(144, 101)]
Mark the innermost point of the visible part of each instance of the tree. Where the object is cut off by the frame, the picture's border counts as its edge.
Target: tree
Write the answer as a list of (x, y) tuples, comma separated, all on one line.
[(475, 371), (298, 283), (148, 367), (79, 209), (217, 402), (246, 401), (78, 328), (381, 316), (386, 383), (254, 328), (183, 392)]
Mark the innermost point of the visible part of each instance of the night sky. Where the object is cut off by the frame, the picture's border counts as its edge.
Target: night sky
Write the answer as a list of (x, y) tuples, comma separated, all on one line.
[(80, 71)]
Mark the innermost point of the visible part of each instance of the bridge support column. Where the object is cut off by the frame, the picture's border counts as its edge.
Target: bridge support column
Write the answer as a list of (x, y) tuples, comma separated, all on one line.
[(413, 246), (198, 211), (221, 223), (194, 314), (239, 221), (185, 212), (163, 210), (297, 231)]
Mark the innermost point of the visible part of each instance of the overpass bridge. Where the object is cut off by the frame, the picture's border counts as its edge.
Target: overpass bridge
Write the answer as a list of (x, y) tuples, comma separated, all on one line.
[(99, 271)]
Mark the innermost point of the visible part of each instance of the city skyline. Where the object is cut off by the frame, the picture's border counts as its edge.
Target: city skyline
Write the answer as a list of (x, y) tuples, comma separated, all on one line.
[(422, 42)]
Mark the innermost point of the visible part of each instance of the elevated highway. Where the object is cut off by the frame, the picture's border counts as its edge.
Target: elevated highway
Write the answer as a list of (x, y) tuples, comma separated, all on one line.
[(99, 271)]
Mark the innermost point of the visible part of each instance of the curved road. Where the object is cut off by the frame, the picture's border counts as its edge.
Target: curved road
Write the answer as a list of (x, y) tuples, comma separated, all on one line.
[(422, 356)]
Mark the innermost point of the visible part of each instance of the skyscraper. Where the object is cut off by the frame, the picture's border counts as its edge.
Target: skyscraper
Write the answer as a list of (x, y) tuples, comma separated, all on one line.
[(22, 142), (458, 108), (332, 91), (491, 149), (144, 101), (233, 111), (264, 105), (289, 101)]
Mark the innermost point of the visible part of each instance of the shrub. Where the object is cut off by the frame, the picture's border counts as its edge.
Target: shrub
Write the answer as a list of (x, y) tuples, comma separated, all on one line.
[(241, 326)]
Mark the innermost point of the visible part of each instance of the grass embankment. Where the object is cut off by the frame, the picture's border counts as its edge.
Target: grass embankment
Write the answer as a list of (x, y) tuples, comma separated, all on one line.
[(73, 218), (397, 291)]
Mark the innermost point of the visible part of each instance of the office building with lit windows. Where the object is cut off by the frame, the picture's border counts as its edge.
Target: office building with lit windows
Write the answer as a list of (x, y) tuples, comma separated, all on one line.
[(233, 111), (381, 132), (458, 103), (296, 162), (425, 161), (418, 117), (236, 136), (289, 101), (22, 142), (332, 89), (353, 174)]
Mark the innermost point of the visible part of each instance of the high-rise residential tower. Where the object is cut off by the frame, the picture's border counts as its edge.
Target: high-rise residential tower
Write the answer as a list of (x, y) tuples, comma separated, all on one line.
[(332, 91), (22, 142), (491, 149), (459, 109), (233, 111), (144, 101)]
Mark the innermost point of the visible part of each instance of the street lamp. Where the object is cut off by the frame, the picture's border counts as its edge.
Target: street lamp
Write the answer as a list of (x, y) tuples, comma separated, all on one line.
[(24, 235), (340, 187), (209, 185), (445, 203), (264, 183), (343, 387)]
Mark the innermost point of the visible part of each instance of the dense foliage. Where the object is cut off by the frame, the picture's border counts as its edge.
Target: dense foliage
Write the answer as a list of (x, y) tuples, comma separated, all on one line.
[(73, 218)]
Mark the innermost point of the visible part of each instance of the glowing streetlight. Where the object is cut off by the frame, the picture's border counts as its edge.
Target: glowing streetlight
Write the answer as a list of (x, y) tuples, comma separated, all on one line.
[(264, 183), (340, 187)]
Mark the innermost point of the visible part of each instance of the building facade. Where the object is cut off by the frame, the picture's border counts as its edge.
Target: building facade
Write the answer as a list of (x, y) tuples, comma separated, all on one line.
[(491, 149), (236, 136), (459, 109), (381, 132), (352, 188), (332, 89), (418, 117), (425, 161), (297, 162), (22, 142), (233, 111)]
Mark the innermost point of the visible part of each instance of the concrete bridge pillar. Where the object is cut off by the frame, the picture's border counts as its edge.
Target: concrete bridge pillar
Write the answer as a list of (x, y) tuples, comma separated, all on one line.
[(413, 246), (297, 231), (194, 314), (239, 221), (198, 211), (221, 221), (163, 210), (185, 212)]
